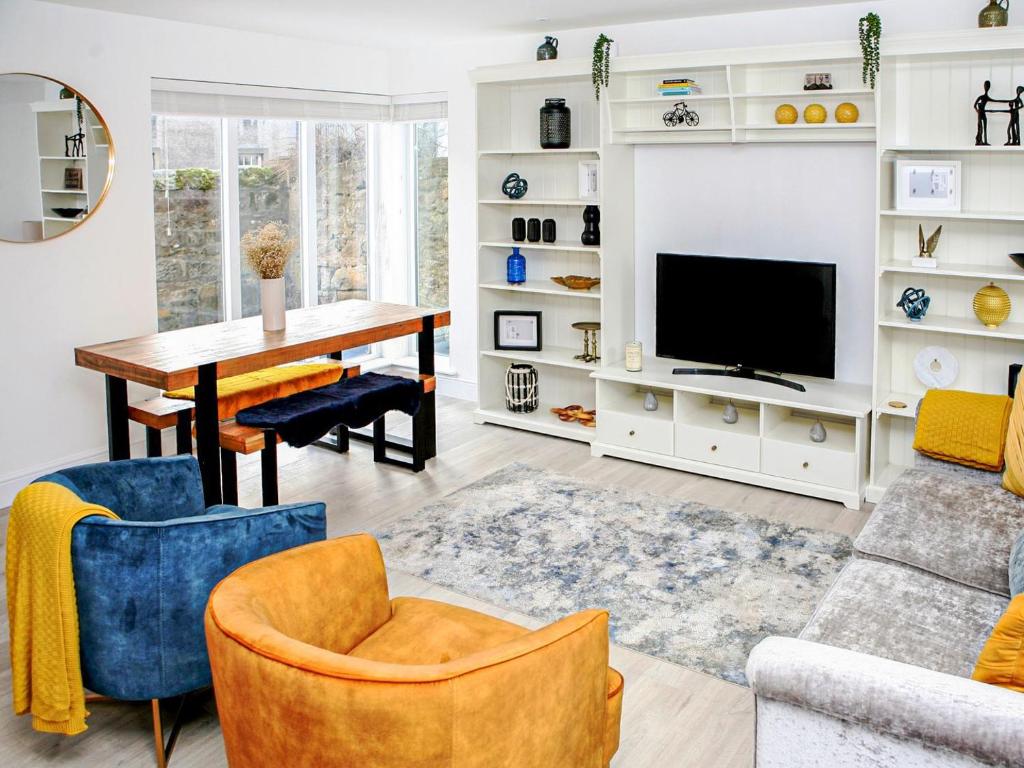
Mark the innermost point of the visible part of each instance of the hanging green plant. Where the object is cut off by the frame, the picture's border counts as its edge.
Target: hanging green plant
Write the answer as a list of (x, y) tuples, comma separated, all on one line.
[(78, 112), (870, 33), (602, 63)]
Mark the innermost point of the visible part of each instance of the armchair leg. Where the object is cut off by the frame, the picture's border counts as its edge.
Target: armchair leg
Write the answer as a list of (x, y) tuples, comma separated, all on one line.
[(162, 752)]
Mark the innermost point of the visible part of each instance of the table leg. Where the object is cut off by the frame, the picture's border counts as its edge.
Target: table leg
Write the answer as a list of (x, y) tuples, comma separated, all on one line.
[(208, 433), (118, 442), (428, 415)]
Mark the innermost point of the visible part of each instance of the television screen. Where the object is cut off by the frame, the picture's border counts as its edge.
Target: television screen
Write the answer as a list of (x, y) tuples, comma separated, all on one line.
[(777, 316)]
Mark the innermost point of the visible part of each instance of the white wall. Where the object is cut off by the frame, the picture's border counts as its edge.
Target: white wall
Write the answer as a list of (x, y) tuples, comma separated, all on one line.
[(99, 282), (19, 181), (449, 67), (811, 202)]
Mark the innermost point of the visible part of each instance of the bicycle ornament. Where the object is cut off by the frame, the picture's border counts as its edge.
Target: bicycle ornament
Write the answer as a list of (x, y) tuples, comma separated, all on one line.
[(680, 114)]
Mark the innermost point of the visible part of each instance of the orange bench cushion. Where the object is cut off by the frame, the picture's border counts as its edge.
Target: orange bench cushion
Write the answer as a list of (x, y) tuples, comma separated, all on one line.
[(237, 392)]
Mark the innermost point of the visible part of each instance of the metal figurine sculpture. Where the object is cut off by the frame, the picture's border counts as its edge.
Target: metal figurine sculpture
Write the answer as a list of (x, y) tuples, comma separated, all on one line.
[(514, 186), (914, 304), (680, 113), (1013, 108), (74, 145)]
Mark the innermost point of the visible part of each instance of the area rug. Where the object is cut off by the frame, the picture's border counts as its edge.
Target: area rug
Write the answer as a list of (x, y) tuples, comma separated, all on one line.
[(682, 581)]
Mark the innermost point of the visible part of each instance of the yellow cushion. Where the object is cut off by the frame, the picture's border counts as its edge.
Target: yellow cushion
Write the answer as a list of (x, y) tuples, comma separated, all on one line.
[(1002, 659), (1013, 478), (237, 392), (963, 427)]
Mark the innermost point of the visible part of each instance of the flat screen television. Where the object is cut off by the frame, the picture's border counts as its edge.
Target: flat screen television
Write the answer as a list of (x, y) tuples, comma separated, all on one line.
[(777, 316)]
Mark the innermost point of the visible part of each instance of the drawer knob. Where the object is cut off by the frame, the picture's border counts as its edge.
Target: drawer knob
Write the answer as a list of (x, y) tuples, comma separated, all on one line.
[(807, 464), (714, 448), (632, 433)]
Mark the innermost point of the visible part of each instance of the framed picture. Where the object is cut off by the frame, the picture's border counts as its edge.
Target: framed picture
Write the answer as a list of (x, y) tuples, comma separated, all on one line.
[(517, 330), (589, 189), (927, 185), (818, 81), (72, 178)]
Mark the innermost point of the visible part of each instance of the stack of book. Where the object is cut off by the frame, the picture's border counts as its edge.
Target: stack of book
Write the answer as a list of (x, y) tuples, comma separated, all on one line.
[(682, 86)]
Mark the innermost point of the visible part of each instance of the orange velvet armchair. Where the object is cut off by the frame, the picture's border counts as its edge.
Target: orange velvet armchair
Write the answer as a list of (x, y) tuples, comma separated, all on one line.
[(314, 665)]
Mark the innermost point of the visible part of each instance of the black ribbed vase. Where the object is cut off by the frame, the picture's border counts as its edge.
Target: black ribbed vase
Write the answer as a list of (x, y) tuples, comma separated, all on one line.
[(555, 125)]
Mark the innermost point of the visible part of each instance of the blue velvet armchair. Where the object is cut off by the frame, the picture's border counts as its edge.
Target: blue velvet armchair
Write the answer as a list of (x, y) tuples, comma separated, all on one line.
[(142, 582)]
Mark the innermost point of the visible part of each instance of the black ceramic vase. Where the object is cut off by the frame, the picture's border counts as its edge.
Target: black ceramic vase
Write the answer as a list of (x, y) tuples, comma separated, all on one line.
[(555, 125), (518, 230), (533, 230), (548, 230), (591, 226)]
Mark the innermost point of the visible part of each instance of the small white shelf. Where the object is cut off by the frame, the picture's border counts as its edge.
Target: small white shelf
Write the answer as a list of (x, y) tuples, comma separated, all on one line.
[(558, 245), (570, 151), (802, 93), (806, 126), (709, 416), (65, 191), (541, 420), (957, 150), (679, 129), (61, 157), (956, 325), (571, 203), (560, 357), (64, 219), (543, 287), (974, 271), (910, 412), (841, 437), (959, 215), (670, 100)]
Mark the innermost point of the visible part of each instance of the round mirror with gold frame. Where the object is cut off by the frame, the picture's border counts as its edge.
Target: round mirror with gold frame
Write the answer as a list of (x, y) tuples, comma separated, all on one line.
[(56, 158)]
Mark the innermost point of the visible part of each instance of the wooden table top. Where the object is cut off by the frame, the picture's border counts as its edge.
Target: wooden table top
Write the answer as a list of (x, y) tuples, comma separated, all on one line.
[(171, 359)]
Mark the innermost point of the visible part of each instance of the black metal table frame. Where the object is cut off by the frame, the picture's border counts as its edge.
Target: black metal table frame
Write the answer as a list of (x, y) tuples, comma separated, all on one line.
[(207, 420)]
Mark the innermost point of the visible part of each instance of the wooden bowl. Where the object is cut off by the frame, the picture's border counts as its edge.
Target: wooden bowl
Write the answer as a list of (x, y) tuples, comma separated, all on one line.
[(577, 282)]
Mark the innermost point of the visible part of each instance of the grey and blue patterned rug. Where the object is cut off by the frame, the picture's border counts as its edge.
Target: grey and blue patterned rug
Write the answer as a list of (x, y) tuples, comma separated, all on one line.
[(683, 582)]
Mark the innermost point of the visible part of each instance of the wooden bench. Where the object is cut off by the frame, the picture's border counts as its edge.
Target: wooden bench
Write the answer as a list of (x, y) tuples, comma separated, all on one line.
[(236, 439)]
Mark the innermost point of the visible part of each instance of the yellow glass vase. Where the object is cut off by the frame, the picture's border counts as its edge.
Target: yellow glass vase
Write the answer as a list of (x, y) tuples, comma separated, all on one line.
[(992, 305), (847, 113), (815, 113), (786, 114)]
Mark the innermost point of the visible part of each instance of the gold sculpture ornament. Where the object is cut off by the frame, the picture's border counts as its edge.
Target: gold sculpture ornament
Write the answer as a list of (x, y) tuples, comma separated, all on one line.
[(992, 305), (786, 114), (815, 113), (927, 247), (847, 113)]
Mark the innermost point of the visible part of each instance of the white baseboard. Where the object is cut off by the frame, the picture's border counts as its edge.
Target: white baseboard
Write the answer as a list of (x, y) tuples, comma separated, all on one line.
[(461, 389), (11, 483)]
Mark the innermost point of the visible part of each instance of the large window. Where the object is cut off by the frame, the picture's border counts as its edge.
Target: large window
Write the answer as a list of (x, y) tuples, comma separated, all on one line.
[(333, 183)]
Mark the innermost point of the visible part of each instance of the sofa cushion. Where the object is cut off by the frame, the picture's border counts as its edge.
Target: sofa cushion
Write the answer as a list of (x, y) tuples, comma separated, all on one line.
[(946, 525), (964, 427), (958, 470), (902, 614), (1016, 569), (1002, 659)]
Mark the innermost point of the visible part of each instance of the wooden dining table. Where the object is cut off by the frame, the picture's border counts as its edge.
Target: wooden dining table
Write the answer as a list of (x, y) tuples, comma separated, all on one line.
[(201, 355)]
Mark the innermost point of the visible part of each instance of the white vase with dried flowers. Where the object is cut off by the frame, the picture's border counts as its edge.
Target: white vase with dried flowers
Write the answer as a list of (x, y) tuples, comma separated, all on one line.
[(267, 250)]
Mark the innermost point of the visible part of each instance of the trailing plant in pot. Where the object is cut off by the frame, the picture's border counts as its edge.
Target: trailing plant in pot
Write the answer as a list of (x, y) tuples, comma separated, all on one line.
[(602, 63), (267, 250), (869, 31)]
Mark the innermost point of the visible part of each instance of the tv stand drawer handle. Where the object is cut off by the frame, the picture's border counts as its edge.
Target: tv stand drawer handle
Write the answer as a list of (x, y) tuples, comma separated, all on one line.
[(807, 465), (714, 448), (632, 433)]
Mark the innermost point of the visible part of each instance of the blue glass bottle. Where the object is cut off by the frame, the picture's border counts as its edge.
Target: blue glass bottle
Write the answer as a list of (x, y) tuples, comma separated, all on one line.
[(516, 267)]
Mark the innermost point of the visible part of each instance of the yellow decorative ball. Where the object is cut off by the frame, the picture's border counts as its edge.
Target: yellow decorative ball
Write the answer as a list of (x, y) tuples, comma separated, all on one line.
[(786, 114), (992, 305), (847, 113), (815, 113)]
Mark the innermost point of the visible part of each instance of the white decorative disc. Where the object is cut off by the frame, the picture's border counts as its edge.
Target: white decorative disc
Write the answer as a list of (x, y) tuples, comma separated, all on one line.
[(935, 367)]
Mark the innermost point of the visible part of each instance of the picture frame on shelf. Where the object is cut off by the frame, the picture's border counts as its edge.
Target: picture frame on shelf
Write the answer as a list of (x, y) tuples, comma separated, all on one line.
[(589, 187), (518, 330), (73, 178), (928, 185)]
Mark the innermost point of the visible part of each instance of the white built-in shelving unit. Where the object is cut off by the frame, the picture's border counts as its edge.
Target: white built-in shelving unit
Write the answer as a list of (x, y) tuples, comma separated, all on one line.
[(54, 121), (922, 108), (926, 98)]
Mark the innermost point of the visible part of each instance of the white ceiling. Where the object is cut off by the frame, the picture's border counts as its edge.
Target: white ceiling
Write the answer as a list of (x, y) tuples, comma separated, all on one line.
[(399, 23)]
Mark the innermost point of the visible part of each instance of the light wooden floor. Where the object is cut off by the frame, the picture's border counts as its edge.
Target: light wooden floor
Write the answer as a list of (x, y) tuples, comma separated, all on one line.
[(671, 717)]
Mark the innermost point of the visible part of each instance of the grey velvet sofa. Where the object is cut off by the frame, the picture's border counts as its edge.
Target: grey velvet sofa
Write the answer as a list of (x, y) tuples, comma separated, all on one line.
[(880, 676)]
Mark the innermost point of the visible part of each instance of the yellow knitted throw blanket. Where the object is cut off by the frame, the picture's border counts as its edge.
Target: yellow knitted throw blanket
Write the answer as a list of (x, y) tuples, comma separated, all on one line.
[(46, 675), (963, 427)]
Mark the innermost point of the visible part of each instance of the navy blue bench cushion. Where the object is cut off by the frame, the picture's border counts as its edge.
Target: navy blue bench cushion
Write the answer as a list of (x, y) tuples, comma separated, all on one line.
[(305, 417)]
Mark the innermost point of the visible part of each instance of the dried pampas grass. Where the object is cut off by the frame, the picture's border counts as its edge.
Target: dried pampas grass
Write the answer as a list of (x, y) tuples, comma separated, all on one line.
[(268, 249)]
